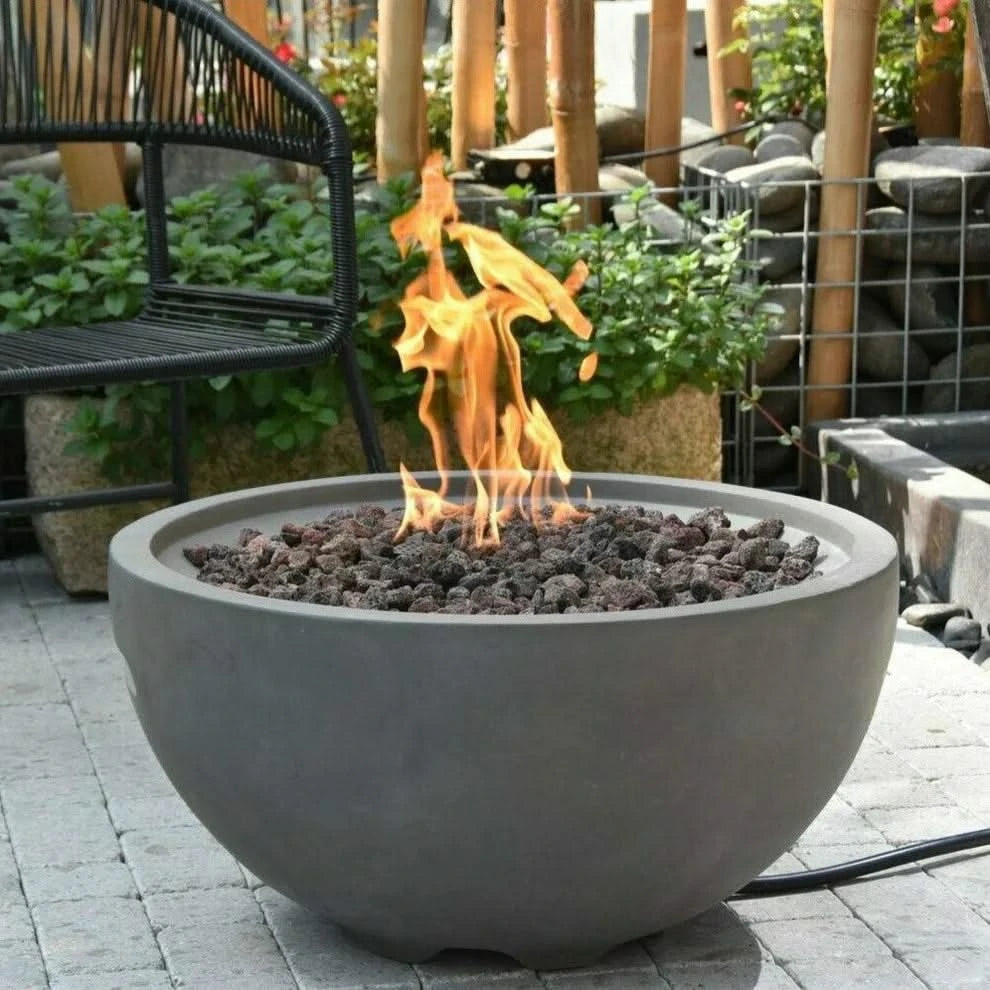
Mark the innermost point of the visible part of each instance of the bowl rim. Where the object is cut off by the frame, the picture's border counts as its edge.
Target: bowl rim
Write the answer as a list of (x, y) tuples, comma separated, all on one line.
[(134, 552)]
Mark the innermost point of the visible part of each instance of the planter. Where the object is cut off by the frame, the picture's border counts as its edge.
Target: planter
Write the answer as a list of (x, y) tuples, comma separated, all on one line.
[(547, 786), (678, 436)]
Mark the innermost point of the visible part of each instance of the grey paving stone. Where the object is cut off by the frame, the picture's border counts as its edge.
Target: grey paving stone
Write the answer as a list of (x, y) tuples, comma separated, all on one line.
[(77, 631), (818, 938), (135, 979), (39, 793), (27, 675), (839, 824), (811, 904), (21, 966), (40, 741), (143, 813), (904, 825), (951, 969), (873, 973), (243, 955), (897, 792), (109, 735), (909, 721), (968, 877), (950, 761), (141, 778), (104, 935), (629, 966), (713, 937), (191, 908), (15, 922), (131, 762), (10, 878), (77, 882), (61, 835), (971, 792), (174, 859), (972, 710), (322, 958), (875, 762), (38, 584), (475, 971), (763, 974), (818, 857), (892, 907)]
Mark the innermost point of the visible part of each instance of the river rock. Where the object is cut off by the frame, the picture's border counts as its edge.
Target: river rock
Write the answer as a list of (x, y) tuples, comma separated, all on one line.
[(615, 177), (781, 352), (878, 144), (933, 615), (802, 132), (725, 158), (875, 399), (692, 131), (927, 304), (795, 218), (668, 224), (962, 633), (776, 185), (935, 239), (940, 392), (781, 254), (881, 343), (933, 176), (621, 131), (775, 146)]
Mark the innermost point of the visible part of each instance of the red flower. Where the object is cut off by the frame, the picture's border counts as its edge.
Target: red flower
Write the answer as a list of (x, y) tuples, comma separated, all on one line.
[(339, 99), (286, 52), (739, 106), (943, 8), (943, 25)]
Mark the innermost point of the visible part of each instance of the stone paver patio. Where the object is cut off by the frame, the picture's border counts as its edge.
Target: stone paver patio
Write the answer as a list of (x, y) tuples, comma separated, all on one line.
[(106, 879)]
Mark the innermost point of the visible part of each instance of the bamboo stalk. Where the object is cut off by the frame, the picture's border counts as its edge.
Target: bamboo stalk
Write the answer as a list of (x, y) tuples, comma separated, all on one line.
[(849, 125), (828, 19), (665, 88), (974, 127), (400, 86), (726, 72), (473, 97), (571, 31), (94, 172), (526, 52), (936, 98)]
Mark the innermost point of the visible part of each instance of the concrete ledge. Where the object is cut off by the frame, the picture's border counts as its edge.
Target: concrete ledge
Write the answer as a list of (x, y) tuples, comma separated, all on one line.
[(911, 483)]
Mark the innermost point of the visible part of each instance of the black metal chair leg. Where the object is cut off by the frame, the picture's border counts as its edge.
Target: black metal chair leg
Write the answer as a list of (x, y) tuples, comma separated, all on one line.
[(361, 407), (180, 441)]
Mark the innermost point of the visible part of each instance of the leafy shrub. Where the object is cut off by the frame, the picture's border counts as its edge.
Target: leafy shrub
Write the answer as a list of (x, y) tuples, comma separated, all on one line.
[(786, 42), (692, 316)]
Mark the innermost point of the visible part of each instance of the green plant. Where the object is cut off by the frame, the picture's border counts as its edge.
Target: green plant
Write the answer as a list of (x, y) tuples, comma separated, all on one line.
[(705, 319), (786, 43)]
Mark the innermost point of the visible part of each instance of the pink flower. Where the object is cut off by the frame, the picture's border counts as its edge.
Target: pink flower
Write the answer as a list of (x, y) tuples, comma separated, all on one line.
[(286, 52), (739, 106), (339, 99), (943, 25), (943, 8)]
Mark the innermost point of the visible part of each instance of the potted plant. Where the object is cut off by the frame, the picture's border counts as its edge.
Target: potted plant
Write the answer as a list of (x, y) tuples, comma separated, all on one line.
[(672, 327)]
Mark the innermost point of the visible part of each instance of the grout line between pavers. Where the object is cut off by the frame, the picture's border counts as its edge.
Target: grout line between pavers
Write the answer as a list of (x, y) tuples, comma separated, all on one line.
[(271, 931), (99, 783)]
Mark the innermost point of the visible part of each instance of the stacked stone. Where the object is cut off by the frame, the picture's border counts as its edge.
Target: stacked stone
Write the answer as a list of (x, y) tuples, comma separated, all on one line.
[(927, 218)]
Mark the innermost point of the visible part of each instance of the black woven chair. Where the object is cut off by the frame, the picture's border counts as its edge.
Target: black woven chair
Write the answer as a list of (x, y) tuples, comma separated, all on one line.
[(180, 72)]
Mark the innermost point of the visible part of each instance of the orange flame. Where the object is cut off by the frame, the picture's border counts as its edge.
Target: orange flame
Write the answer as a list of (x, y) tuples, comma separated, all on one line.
[(512, 452)]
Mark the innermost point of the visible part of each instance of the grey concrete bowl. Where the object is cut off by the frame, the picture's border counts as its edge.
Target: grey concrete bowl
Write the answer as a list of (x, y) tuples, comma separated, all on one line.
[(542, 786)]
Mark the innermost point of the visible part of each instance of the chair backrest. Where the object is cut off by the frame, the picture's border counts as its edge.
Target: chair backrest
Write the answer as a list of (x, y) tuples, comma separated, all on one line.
[(159, 70)]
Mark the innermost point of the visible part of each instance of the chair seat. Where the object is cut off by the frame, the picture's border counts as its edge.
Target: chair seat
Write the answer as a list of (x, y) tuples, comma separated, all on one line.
[(183, 332)]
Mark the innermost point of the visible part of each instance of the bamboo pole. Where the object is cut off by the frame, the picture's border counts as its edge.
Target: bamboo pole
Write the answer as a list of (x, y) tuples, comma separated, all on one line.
[(936, 98), (526, 53), (974, 128), (473, 98), (726, 72), (571, 32), (847, 151), (94, 172), (665, 88), (828, 19), (400, 85), (252, 16)]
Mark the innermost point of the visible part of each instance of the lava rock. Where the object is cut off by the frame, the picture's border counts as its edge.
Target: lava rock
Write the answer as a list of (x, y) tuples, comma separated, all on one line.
[(933, 615), (940, 391), (766, 178), (961, 633), (932, 176), (934, 239), (775, 146)]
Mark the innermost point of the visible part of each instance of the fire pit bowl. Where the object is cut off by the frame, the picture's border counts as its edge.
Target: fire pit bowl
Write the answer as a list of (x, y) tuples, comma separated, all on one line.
[(546, 786)]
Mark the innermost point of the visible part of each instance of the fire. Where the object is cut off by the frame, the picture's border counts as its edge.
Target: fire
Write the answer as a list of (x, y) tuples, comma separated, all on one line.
[(506, 441)]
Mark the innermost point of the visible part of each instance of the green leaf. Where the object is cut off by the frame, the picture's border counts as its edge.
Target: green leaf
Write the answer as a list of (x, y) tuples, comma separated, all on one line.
[(219, 382), (285, 440)]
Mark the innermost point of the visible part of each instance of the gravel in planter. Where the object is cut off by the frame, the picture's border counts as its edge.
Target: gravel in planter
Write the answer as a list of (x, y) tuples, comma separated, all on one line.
[(615, 559)]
